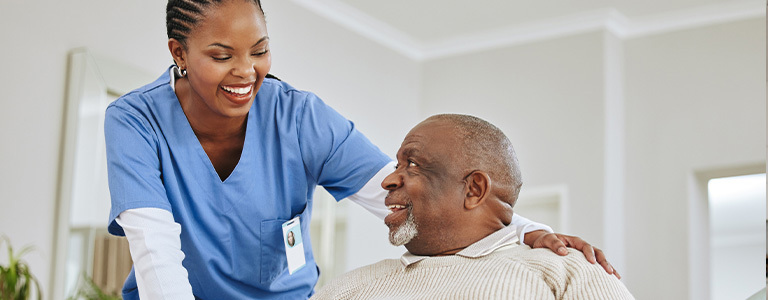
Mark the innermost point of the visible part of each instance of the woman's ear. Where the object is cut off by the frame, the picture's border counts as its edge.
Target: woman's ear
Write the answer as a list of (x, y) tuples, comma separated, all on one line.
[(477, 188), (178, 52)]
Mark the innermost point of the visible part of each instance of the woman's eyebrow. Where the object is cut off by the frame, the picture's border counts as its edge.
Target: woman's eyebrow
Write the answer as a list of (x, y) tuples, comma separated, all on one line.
[(261, 40), (220, 45)]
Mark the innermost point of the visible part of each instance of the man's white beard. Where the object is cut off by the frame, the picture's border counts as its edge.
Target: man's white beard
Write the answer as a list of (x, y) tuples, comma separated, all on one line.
[(405, 233)]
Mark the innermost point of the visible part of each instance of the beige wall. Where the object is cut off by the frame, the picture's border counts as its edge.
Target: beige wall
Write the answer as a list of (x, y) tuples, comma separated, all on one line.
[(367, 83), (695, 103)]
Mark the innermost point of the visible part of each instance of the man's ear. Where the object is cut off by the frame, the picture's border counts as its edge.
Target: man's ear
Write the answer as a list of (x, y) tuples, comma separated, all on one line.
[(178, 52), (477, 188)]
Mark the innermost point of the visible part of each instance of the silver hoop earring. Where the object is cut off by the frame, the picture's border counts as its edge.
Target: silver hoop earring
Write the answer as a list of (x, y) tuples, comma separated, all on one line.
[(179, 72)]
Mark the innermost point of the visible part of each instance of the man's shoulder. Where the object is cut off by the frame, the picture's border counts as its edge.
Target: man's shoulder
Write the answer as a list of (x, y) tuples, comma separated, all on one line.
[(536, 257), (571, 275), (382, 267), (548, 264), (344, 286)]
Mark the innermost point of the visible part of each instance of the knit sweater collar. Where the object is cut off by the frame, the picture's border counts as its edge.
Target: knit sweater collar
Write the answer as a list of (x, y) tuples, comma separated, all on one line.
[(502, 238)]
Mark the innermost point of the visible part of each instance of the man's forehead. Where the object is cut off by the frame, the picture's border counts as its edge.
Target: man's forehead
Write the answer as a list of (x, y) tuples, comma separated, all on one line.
[(429, 129), (410, 146), (427, 138)]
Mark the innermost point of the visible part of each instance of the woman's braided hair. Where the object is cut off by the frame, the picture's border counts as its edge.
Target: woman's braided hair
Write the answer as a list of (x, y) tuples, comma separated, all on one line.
[(181, 16)]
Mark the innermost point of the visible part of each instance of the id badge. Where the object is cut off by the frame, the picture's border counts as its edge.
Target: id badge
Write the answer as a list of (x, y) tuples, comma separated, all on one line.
[(294, 245)]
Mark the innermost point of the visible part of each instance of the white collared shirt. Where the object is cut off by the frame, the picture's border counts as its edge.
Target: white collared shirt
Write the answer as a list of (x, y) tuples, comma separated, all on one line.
[(501, 239)]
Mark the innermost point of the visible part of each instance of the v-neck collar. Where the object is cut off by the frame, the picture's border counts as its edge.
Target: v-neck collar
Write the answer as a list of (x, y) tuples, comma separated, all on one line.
[(187, 136)]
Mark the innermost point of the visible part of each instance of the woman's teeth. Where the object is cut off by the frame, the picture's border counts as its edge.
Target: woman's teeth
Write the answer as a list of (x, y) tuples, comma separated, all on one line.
[(241, 91)]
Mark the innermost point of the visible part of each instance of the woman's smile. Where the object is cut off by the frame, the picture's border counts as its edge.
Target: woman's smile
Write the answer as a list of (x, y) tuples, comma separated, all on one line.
[(238, 94)]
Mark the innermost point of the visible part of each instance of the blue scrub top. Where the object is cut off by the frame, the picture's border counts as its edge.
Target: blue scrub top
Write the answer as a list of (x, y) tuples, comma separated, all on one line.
[(231, 231)]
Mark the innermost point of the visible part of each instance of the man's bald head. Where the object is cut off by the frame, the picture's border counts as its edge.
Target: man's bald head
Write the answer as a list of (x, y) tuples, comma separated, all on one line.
[(484, 146)]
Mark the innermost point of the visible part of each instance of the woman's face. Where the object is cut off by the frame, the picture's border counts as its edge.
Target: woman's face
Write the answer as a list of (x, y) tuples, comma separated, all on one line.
[(227, 57)]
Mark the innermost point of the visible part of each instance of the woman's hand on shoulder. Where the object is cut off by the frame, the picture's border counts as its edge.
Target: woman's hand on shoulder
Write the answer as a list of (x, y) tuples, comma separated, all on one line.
[(558, 242)]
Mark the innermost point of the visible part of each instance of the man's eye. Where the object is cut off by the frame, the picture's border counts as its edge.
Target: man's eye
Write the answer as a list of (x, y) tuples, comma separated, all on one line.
[(412, 164), (397, 166)]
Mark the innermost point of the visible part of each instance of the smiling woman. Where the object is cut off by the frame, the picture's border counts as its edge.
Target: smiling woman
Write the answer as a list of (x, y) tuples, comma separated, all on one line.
[(214, 124)]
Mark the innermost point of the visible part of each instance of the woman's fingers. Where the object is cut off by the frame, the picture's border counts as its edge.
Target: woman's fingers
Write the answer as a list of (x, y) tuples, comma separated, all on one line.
[(581, 245), (604, 262), (593, 254), (553, 242)]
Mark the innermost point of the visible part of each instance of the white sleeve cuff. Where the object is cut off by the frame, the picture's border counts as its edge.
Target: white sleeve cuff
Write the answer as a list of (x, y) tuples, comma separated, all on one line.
[(153, 238), (371, 196), (525, 226)]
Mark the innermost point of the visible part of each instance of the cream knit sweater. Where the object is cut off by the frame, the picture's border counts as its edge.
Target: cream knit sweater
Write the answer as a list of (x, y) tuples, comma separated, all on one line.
[(518, 272)]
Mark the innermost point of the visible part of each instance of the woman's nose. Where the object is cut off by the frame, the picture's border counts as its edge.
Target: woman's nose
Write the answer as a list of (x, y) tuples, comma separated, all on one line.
[(244, 68)]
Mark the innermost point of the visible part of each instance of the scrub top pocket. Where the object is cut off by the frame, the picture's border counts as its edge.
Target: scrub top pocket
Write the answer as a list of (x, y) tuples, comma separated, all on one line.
[(273, 259)]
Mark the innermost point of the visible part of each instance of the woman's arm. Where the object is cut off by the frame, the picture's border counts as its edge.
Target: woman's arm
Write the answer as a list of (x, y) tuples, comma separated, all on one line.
[(153, 238), (371, 195), (525, 226)]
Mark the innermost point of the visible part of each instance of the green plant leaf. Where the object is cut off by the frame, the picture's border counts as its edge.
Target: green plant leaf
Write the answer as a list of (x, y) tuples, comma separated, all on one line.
[(25, 287), (37, 288), (24, 251), (89, 290), (16, 279)]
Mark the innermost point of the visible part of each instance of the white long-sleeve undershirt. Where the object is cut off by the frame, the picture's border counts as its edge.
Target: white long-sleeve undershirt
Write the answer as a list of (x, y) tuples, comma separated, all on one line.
[(155, 245), (153, 238)]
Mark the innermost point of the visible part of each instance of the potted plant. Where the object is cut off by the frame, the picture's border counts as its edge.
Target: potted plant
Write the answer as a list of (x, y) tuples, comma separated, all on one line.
[(89, 290), (16, 280)]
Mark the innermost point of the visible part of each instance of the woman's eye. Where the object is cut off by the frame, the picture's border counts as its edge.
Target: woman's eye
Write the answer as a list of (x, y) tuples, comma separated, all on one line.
[(220, 58), (260, 53)]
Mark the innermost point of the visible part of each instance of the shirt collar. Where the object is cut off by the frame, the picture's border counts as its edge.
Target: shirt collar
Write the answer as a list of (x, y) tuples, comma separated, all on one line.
[(502, 238)]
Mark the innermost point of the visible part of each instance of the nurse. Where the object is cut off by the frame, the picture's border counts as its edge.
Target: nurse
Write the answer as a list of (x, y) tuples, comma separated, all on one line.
[(210, 162)]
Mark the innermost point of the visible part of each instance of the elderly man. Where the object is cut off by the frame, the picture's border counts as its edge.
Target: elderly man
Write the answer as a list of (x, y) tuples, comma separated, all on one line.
[(451, 197)]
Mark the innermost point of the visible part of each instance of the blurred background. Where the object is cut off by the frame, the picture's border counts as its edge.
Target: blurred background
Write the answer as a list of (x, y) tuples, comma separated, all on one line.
[(640, 126)]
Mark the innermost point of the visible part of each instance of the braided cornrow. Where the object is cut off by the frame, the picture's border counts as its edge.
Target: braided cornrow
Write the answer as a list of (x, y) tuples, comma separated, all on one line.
[(181, 16)]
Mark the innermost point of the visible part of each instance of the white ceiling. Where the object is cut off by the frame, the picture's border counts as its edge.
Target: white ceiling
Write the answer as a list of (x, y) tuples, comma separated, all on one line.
[(426, 29), (437, 19)]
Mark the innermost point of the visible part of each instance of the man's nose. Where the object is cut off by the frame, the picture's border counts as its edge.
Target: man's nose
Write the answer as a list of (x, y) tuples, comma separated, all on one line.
[(392, 181)]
